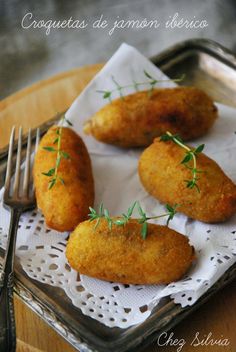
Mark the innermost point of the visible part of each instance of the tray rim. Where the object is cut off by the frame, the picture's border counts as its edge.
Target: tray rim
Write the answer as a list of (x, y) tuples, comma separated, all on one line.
[(209, 46), (56, 321)]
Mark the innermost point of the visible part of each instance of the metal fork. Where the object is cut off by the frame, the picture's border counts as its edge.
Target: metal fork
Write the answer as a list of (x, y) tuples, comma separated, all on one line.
[(18, 197)]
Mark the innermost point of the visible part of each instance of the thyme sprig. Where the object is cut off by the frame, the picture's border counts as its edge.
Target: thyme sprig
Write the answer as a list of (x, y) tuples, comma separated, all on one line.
[(151, 82), (61, 154), (125, 217), (190, 155)]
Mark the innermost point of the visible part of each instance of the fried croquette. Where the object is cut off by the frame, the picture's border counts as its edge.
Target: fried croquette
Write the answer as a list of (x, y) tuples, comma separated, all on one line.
[(66, 204), (138, 118), (122, 255), (164, 177)]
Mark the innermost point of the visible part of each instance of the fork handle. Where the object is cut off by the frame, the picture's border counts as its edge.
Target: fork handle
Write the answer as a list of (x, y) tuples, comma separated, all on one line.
[(7, 316)]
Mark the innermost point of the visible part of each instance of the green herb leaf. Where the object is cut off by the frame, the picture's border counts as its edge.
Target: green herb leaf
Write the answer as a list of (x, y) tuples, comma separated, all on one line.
[(60, 153), (172, 212), (140, 210), (191, 184), (50, 172), (101, 209), (165, 137), (65, 155), (147, 74), (187, 158), (190, 156), (199, 149), (169, 208), (122, 221), (93, 211), (49, 149), (52, 183), (170, 217), (106, 95), (119, 222), (131, 209), (144, 230), (106, 213), (62, 181), (151, 82), (68, 121)]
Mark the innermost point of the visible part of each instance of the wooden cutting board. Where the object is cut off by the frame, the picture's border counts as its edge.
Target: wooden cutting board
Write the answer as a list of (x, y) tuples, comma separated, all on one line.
[(31, 107), (40, 102)]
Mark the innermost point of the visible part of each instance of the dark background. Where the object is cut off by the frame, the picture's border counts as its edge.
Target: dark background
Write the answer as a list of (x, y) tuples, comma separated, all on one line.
[(29, 55)]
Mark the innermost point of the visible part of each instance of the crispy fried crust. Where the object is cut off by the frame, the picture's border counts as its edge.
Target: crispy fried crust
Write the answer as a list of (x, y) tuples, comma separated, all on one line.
[(121, 255), (140, 117), (164, 177), (64, 206)]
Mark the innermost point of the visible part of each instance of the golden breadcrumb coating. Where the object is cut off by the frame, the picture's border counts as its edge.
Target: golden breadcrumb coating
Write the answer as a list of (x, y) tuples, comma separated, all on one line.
[(121, 255), (164, 178), (64, 205), (138, 118)]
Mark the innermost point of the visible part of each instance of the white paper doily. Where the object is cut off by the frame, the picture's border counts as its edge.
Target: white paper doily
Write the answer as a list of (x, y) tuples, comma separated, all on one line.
[(42, 251), (42, 256)]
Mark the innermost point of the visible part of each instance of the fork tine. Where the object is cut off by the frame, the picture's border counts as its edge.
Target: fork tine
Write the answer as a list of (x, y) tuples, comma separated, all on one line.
[(37, 139), (36, 147), (9, 161), (18, 164), (26, 182)]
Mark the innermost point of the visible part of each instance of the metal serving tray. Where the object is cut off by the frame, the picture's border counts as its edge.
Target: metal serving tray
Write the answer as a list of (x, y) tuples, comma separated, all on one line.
[(212, 68)]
